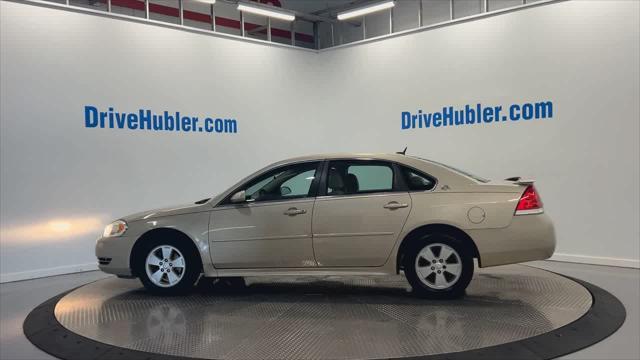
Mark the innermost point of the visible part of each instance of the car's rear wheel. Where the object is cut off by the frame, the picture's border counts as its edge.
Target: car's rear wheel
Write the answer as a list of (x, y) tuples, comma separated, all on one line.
[(438, 266), (167, 267)]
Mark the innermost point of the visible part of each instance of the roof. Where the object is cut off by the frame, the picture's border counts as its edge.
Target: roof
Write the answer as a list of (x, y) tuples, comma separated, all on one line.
[(432, 168), (440, 172), (347, 155)]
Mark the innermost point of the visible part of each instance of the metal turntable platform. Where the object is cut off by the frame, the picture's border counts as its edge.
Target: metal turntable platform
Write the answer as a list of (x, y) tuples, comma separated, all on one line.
[(325, 318)]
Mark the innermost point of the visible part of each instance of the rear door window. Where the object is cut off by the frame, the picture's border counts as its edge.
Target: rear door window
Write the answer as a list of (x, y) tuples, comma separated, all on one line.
[(359, 177)]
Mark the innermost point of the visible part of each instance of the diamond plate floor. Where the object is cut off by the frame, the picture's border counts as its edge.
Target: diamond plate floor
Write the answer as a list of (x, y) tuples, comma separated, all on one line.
[(322, 318)]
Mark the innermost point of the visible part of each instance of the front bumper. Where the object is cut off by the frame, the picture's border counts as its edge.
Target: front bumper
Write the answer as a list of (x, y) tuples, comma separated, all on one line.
[(527, 238), (118, 250)]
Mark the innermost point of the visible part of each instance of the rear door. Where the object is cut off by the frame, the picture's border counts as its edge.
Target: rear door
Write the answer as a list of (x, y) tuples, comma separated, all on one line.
[(359, 214)]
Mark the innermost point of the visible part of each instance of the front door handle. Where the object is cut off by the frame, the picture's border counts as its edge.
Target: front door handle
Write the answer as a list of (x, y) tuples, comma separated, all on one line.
[(395, 205), (295, 211)]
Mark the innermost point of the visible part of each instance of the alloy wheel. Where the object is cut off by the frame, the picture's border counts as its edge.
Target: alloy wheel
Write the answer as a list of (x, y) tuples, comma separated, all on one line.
[(165, 266), (438, 266)]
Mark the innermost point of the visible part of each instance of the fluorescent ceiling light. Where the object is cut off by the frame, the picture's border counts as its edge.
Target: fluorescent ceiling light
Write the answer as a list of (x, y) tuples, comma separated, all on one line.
[(207, 1), (266, 11), (361, 11)]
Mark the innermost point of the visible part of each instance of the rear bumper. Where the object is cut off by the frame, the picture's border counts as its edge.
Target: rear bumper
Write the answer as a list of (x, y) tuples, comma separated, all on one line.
[(527, 238), (118, 250)]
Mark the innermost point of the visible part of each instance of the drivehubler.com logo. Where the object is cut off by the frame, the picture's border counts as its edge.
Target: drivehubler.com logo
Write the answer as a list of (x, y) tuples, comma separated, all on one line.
[(145, 119), (476, 114)]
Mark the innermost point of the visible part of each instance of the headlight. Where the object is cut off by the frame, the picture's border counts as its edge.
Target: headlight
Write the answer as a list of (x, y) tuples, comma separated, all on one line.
[(116, 228)]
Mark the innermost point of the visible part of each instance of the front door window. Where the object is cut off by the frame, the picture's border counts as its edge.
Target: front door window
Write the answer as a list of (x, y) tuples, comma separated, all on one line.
[(289, 182)]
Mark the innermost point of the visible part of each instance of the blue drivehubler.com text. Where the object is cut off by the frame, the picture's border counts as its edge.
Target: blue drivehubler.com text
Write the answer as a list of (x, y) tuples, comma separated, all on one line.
[(476, 114), (145, 119)]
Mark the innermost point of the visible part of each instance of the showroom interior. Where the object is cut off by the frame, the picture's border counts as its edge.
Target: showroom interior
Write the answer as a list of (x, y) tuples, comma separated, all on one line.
[(114, 107)]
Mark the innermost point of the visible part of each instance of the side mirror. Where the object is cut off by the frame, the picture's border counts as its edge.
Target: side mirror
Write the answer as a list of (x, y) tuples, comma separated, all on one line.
[(285, 190), (239, 197)]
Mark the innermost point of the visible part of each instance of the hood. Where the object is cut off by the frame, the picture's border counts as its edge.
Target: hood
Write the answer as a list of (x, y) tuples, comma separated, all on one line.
[(168, 211)]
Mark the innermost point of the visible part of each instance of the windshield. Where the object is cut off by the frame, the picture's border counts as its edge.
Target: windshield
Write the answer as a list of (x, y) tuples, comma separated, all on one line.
[(465, 173)]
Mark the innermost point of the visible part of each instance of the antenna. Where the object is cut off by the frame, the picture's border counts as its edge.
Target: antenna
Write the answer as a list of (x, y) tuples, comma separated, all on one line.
[(403, 151)]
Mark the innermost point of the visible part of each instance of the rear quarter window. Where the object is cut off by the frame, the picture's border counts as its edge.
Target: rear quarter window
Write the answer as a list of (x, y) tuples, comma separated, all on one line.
[(462, 172), (417, 181)]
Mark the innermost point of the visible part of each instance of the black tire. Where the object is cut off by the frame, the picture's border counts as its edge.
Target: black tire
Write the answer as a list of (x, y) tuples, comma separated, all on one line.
[(192, 268), (423, 290), (222, 284), (230, 285), (233, 282)]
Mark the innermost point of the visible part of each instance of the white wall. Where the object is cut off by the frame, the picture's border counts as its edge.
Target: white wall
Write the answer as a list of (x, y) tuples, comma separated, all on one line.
[(60, 182), (582, 55), (58, 174)]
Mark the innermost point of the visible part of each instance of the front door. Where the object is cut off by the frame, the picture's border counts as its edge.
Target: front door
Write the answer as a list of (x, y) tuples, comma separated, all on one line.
[(360, 215), (272, 229)]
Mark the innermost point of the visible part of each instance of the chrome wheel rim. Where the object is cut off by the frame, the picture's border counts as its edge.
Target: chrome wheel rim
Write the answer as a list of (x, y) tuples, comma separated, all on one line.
[(438, 266), (165, 266)]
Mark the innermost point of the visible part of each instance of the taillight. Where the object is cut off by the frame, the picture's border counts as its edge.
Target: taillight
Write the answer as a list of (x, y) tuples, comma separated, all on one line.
[(530, 202)]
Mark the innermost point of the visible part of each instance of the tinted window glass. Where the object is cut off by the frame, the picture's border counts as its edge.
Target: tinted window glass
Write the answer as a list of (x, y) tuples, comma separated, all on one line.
[(417, 181), (355, 177), (284, 183), (299, 185)]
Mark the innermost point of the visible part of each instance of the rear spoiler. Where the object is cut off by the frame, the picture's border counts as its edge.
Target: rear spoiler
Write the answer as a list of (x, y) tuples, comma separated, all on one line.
[(520, 181)]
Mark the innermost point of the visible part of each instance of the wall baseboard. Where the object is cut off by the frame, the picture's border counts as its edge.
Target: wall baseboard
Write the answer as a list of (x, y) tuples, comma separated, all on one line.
[(62, 270), (596, 260), (40, 273)]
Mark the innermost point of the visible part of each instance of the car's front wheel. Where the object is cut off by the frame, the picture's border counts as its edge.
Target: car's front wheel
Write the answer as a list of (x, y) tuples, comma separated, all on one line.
[(167, 267), (438, 266)]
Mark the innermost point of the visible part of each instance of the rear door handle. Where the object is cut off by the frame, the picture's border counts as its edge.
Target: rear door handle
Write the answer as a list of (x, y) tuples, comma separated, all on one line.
[(295, 211), (395, 205)]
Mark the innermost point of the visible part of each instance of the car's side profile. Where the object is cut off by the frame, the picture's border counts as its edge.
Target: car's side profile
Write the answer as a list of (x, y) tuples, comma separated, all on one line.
[(338, 214)]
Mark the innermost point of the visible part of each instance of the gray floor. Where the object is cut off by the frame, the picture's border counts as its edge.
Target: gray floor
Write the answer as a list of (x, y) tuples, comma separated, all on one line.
[(328, 317), (17, 299)]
